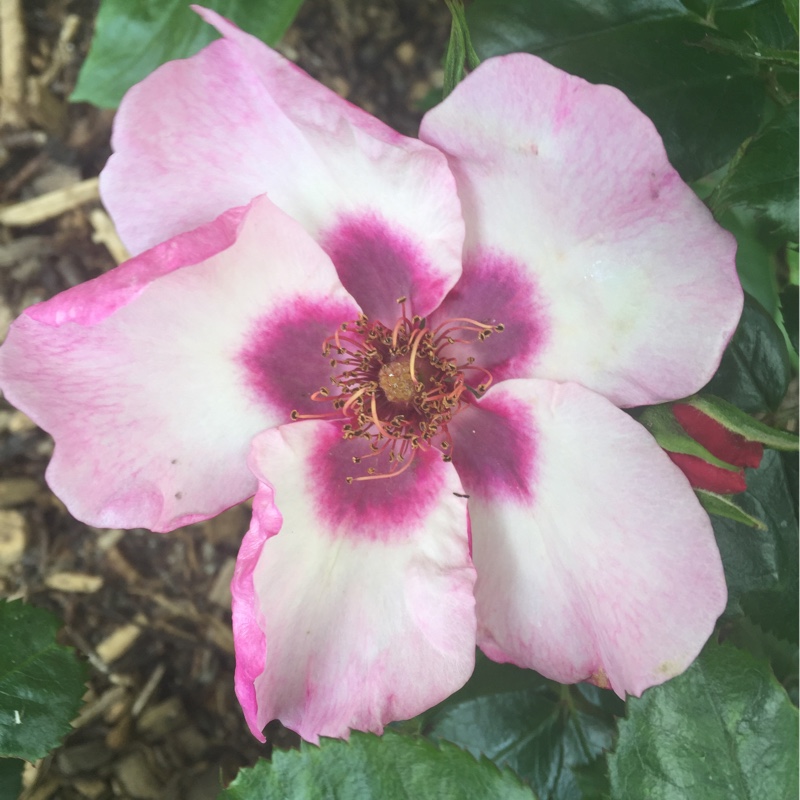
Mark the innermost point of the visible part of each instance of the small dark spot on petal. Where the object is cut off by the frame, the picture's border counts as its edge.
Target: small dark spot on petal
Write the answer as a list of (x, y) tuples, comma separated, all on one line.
[(178, 495)]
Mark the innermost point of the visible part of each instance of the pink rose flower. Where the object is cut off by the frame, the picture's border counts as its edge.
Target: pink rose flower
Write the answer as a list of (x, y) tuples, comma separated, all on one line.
[(424, 346)]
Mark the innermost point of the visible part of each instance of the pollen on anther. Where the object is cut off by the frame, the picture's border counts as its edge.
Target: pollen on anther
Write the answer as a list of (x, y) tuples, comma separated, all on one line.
[(295, 415)]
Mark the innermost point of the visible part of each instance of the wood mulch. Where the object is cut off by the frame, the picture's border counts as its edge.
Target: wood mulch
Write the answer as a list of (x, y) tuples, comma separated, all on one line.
[(150, 613)]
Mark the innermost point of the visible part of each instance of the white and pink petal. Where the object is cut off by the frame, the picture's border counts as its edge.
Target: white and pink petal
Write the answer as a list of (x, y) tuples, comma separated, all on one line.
[(154, 378), (595, 560), (353, 602), (569, 184), (205, 134)]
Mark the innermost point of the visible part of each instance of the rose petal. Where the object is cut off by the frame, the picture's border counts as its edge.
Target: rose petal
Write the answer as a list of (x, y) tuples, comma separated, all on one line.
[(603, 566), (638, 286), (345, 619), (147, 377), (204, 134)]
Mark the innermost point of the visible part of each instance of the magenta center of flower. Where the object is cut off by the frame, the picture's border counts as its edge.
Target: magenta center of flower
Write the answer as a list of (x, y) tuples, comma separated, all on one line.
[(397, 388)]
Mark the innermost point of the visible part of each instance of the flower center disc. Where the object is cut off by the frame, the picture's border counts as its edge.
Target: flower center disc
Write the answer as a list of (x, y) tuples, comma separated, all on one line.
[(396, 381), (397, 388)]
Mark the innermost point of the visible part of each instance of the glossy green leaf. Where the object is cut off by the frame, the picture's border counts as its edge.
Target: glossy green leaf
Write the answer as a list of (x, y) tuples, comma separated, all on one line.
[(388, 767), (724, 730), (791, 8), (752, 50), (592, 779), (10, 777), (703, 104), (764, 175), (541, 730), (133, 37), (761, 566), (41, 682), (783, 656), (755, 370)]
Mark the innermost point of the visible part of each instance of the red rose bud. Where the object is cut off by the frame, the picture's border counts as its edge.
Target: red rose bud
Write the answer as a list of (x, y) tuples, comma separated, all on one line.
[(703, 475), (717, 439), (722, 443)]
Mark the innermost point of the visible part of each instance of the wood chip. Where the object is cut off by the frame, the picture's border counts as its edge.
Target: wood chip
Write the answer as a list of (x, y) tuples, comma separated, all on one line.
[(12, 63), (91, 788), (52, 204), (219, 633), (73, 582), (119, 564), (97, 708), (220, 593), (13, 535), (86, 757), (44, 791), (119, 735), (108, 538), (106, 234), (137, 778), (16, 491), (21, 423), (118, 643), (159, 720), (23, 248), (147, 691)]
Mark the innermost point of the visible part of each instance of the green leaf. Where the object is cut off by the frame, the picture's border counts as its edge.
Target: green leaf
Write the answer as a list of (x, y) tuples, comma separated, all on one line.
[(738, 421), (133, 37), (783, 656), (724, 730), (755, 370), (724, 506), (753, 50), (761, 565), (10, 777), (764, 175), (703, 104), (41, 682), (791, 6), (368, 767), (540, 729), (592, 779), (459, 49)]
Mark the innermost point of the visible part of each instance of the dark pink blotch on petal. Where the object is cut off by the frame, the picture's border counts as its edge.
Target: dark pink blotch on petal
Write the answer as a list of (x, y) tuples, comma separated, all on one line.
[(495, 289), (378, 265), (384, 509), (494, 449), (283, 358)]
